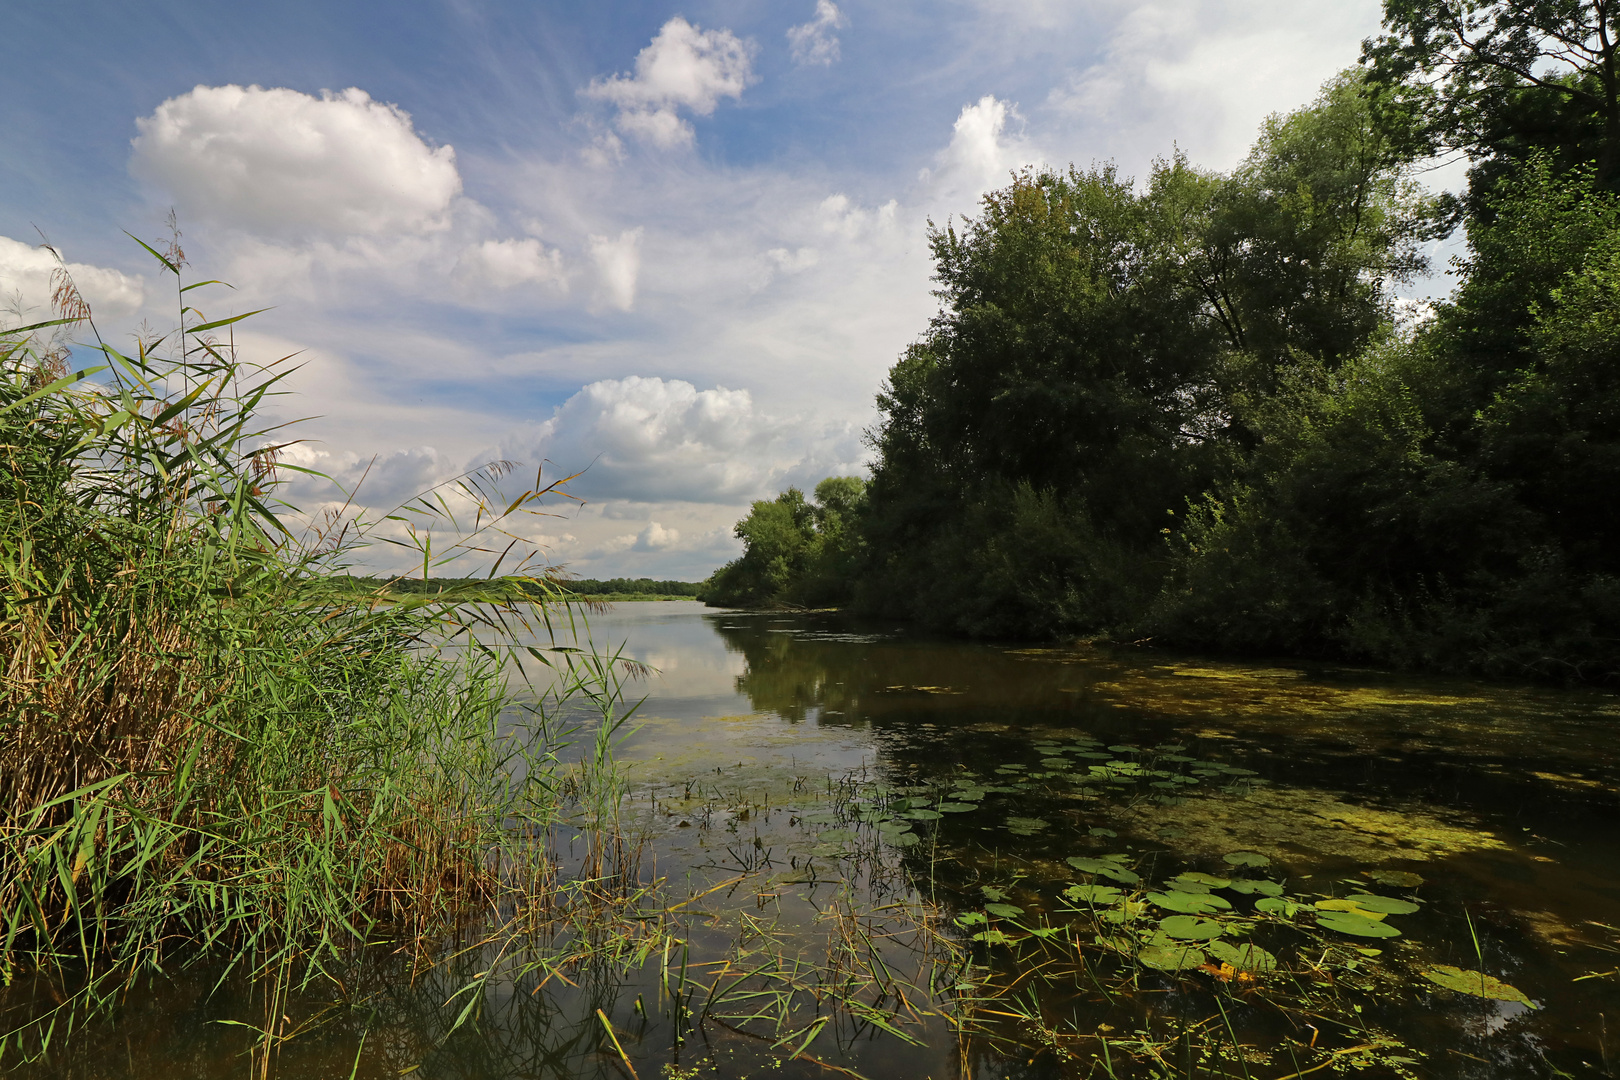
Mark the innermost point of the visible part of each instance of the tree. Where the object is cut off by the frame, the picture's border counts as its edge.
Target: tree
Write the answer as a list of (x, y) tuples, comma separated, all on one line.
[(795, 553), (1501, 79), (1097, 352)]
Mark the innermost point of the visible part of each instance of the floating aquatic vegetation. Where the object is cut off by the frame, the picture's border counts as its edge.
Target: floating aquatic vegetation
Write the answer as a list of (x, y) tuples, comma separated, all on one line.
[(1246, 957), (1387, 905), (1188, 903), (1025, 826), (1190, 928), (1281, 823), (1474, 983), (1104, 868), (1092, 894), (1395, 879), (1356, 925)]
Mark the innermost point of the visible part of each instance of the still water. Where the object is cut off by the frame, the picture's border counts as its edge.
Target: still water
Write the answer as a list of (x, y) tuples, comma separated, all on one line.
[(900, 857)]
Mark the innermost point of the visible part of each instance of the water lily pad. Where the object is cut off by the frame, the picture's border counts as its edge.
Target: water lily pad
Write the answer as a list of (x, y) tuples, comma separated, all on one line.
[(1026, 826), (1093, 755), (1243, 957), (904, 839), (972, 918), (1184, 885), (1171, 957), (992, 937), (1111, 870), (1396, 879), (1128, 911), (956, 807), (1338, 904), (1276, 905), (1097, 830), (1190, 928), (924, 815), (1125, 748), (975, 794), (1092, 894), (1004, 911), (1204, 879), (1188, 903), (1257, 887), (821, 817), (1347, 922), (1245, 858), (894, 826), (1387, 905), (1055, 762), (1475, 984), (836, 836), (992, 892)]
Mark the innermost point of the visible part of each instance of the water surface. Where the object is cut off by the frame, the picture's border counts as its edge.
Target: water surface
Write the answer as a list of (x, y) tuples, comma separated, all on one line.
[(802, 762)]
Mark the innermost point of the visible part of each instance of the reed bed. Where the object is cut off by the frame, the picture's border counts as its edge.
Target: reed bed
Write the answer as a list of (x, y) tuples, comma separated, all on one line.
[(214, 748)]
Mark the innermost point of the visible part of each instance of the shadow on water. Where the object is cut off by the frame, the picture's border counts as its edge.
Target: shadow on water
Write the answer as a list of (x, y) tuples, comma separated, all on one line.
[(881, 855)]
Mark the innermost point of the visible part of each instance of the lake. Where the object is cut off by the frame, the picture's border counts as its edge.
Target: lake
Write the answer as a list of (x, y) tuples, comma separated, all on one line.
[(873, 853)]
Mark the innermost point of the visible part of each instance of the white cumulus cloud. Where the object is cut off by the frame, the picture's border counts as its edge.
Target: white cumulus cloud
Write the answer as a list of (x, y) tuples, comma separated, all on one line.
[(277, 161), (25, 285), (684, 67), (814, 42), (618, 264), (662, 441)]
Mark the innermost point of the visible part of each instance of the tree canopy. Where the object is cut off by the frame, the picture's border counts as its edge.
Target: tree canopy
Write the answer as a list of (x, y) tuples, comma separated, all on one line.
[(1193, 408)]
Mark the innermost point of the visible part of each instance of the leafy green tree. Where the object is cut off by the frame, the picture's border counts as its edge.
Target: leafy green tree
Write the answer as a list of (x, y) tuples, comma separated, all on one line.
[(1442, 501), (1098, 352), (1504, 79), (795, 553)]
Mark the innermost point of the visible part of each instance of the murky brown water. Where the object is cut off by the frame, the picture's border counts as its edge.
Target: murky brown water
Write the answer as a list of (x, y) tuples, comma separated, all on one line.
[(788, 758)]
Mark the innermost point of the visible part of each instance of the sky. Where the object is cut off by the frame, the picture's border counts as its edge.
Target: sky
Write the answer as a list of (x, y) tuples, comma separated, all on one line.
[(676, 246)]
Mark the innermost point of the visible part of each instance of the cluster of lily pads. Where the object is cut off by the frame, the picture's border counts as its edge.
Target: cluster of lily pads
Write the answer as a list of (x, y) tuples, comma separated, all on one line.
[(1192, 920), (1195, 917)]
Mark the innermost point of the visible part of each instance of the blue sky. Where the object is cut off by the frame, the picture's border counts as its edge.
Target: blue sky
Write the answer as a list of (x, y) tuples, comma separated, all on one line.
[(681, 241)]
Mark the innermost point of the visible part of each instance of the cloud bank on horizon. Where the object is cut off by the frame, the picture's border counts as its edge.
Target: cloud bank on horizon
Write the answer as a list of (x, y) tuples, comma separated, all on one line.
[(679, 256)]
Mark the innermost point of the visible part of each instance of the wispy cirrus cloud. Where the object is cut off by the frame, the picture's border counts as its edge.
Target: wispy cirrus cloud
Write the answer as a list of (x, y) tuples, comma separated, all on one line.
[(816, 41)]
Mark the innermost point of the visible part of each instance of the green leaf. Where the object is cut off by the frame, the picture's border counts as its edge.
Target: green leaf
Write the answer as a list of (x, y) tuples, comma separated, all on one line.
[(1246, 858), (1190, 928), (1475, 984), (1111, 870), (1004, 911), (1243, 957), (1387, 905), (1346, 922), (1092, 894), (1188, 903)]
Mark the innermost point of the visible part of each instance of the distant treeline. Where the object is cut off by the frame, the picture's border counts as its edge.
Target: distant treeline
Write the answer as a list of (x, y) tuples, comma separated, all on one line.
[(1194, 410), (582, 587)]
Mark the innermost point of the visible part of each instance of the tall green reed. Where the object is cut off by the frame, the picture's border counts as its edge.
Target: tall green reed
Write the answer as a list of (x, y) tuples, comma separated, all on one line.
[(213, 745)]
